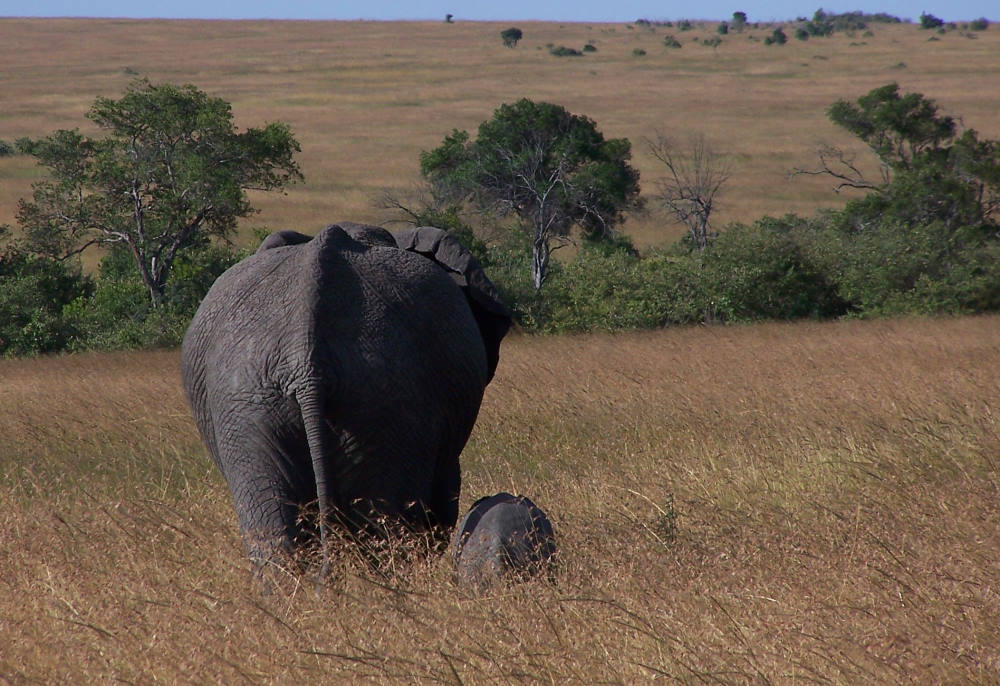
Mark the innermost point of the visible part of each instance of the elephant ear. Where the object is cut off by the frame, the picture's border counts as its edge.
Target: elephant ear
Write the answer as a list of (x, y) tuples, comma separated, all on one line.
[(487, 306), (279, 239)]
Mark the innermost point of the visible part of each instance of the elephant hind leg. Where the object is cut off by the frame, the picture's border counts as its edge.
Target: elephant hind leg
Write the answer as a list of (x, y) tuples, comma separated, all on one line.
[(445, 492)]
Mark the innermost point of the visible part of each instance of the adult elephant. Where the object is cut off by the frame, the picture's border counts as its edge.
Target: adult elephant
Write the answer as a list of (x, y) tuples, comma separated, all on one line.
[(347, 371)]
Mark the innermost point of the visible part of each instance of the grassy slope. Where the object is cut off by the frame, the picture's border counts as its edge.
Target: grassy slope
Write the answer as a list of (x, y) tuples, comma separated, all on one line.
[(774, 504), (365, 98), (785, 503)]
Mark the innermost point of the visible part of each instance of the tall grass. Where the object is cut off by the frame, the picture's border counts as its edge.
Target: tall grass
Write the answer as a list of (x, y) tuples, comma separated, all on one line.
[(771, 504), (364, 98)]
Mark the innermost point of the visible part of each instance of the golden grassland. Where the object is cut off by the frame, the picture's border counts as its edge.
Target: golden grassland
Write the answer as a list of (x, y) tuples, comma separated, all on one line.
[(364, 98), (808, 503)]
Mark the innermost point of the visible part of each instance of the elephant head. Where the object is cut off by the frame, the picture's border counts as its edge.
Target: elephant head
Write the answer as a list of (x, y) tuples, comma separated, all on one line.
[(345, 370)]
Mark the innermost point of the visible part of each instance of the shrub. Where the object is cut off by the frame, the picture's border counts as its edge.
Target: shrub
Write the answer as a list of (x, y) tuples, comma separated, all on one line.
[(638, 52), (590, 47), (723, 28), (980, 24), (6, 149), (608, 287), (670, 42), (929, 21), (118, 314), (563, 51), (762, 271), (778, 37), (33, 292), (25, 146)]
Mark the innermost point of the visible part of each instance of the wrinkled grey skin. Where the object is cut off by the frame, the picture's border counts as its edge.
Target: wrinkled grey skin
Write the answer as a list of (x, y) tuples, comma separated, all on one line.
[(503, 537), (344, 371)]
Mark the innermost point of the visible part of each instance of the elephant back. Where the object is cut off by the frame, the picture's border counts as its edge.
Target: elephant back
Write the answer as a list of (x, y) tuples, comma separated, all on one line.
[(491, 313)]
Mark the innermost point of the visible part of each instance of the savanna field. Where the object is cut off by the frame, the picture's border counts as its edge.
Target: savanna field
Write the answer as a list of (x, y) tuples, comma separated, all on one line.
[(768, 503)]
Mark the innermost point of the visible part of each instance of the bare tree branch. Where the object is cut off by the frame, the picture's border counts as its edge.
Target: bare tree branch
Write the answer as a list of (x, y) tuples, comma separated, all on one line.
[(840, 166), (689, 190)]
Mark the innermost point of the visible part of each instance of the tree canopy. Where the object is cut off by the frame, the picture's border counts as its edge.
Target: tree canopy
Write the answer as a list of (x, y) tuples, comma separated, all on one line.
[(511, 36), (170, 171), (552, 169)]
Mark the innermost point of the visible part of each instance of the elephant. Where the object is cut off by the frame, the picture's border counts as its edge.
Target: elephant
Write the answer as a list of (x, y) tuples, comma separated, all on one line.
[(343, 371), (503, 537)]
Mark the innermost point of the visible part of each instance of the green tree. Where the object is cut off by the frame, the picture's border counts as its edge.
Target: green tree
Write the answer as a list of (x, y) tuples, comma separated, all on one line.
[(898, 128), (511, 36), (924, 236), (739, 21), (929, 21), (552, 169), (170, 172)]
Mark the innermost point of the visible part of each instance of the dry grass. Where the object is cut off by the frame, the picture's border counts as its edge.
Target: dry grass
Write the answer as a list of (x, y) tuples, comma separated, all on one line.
[(364, 98), (810, 503)]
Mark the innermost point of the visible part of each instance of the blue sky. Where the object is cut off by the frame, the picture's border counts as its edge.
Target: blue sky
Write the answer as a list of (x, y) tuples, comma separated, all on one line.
[(490, 10)]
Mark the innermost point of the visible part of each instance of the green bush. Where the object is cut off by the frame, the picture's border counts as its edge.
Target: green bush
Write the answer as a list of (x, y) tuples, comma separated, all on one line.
[(777, 37), (563, 51), (980, 24), (118, 313), (33, 292), (929, 21), (762, 271), (638, 52), (670, 42)]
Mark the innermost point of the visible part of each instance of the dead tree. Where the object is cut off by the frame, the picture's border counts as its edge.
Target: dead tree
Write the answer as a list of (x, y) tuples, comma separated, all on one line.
[(692, 183)]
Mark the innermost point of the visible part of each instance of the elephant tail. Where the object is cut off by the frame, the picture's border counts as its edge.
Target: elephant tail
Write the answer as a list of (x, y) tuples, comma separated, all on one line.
[(321, 444)]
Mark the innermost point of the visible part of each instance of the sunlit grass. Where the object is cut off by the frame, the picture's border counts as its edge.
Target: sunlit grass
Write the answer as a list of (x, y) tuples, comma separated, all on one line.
[(773, 503), (365, 98)]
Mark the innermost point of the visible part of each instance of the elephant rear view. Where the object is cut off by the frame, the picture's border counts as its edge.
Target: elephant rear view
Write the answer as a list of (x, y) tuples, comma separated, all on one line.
[(345, 370)]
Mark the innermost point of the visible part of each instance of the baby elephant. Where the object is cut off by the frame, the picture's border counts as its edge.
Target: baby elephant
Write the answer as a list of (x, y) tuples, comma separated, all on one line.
[(503, 537)]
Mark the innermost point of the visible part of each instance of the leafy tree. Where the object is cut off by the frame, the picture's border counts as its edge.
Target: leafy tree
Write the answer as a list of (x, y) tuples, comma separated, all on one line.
[(898, 128), (923, 235), (738, 22), (929, 21), (552, 169), (511, 36), (170, 172)]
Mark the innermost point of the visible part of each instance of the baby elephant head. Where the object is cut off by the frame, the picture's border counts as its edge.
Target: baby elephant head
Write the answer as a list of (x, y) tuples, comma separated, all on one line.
[(503, 537)]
